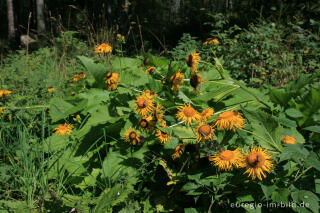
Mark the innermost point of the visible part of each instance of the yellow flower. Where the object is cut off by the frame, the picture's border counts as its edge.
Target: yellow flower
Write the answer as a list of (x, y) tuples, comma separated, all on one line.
[(178, 151), (193, 61), (4, 92), (227, 159), (1, 110), (229, 120), (289, 140), (50, 89), (120, 37), (188, 114), (196, 80), (257, 162), (112, 81), (177, 80), (150, 94), (144, 105), (78, 116), (131, 136), (150, 70), (63, 130), (210, 41), (82, 75), (76, 78), (147, 123), (103, 48), (163, 137), (204, 132), (263, 73), (206, 114)]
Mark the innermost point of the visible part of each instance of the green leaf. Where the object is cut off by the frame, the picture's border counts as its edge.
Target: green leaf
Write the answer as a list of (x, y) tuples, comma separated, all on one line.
[(280, 195), (295, 152), (313, 160), (60, 109), (111, 167), (245, 198), (267, 190), (98, 71), (310, 200), (266, 129), (313, 129), (294, 113), (190, 210)]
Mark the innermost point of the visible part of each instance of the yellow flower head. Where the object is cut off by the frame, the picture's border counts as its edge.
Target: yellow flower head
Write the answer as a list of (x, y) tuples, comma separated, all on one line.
[(150, 70), (289, 140), (193, 61), (229, 120), (178, 151), (112, 81), (120, 37), (131, 136), (188, 114), (163, 137), (210, 41), (257, 162), (206, 114), (150, 94), (227, 159), (144, 105), (204, 132), (147, 123), (104, 48), (64, 129), (78, 116), (5, 93), (263, 73), (50, 89), (196, 80), (1, 111), (82, 75), (76, 78), (177, 80)]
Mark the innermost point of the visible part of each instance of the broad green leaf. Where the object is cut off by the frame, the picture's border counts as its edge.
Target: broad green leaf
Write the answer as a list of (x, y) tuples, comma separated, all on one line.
[(280, 195), (98, 71), (294, 113), (266, 129), (313, 129), (310, 200), (60, 109)]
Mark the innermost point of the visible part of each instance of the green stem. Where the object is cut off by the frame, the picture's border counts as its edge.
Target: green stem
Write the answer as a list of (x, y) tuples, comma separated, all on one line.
[(302, 173), (28, 107)]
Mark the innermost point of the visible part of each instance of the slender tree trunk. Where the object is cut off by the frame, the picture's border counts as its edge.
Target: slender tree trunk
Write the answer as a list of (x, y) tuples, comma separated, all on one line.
[(11, 25), (174, 16), (41, 26)]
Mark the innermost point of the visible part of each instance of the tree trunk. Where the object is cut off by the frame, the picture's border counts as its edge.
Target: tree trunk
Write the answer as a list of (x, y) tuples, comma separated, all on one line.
[(174, 16), (41, 27), (11, 25)]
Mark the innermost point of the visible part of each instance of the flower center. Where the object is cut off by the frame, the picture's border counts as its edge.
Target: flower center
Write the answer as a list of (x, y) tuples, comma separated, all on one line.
[(194, 81), (142, 103), (189, 111), (256, 160), (144, 123), (205, 130), (132, 135), (109, 75), (190, 60), (227, 155)]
